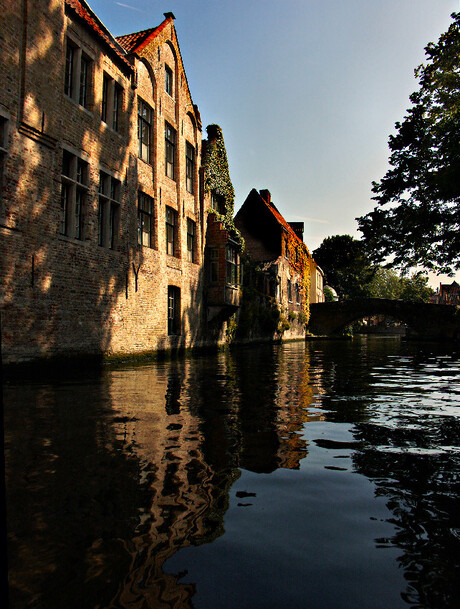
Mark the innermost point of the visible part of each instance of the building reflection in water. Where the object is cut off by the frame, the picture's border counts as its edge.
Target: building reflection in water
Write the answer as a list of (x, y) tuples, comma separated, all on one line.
[(108, 477)]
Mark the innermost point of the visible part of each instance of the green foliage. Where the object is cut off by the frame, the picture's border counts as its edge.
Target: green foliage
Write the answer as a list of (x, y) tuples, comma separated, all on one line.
[(283, 324), (345, 264), (302, 317), (292, 315), (328, 294), (417, 217), (217, 179), (386, 283)]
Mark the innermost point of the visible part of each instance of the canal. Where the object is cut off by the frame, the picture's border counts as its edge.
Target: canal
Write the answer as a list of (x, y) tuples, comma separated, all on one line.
[(304, 476)]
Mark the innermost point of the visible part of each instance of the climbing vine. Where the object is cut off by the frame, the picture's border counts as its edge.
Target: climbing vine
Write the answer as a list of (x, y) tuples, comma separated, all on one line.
[(217, 180), (300, 261)]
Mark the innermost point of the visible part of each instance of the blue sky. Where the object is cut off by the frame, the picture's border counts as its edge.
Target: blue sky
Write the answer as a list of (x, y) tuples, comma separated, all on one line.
[(306, 91)]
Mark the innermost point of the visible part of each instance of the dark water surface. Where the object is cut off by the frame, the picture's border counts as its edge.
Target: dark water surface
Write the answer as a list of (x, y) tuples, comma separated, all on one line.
[(317, 476)]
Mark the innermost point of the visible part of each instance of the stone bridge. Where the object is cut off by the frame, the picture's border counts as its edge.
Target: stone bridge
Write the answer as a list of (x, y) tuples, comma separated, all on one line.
[(424, 320)]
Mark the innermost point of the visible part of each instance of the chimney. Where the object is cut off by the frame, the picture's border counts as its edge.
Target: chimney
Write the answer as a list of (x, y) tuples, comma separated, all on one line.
[(266, 196), (298, 228)]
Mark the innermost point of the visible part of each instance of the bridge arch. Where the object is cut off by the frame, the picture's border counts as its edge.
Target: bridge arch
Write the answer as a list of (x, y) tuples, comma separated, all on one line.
[(425, 320)]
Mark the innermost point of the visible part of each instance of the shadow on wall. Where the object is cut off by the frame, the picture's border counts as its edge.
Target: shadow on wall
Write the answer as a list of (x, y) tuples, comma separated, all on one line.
[(58, 293)]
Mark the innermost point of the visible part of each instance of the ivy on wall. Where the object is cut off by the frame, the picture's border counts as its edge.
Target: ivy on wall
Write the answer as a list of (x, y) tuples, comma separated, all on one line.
[(300, 261), (217, 180)]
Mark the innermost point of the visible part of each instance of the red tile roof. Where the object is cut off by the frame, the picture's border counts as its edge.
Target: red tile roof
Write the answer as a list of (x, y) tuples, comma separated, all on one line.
[(85, 13), (279, 218), (133, 43)]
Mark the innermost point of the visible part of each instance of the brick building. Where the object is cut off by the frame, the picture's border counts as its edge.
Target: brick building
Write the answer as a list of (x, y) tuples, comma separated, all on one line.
[(449, 293), (103, 212), (277, 248)]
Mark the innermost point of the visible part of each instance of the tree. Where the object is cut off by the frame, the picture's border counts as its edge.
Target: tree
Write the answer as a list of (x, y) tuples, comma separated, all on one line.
[(386, 283), (417, 217), (345, 265)]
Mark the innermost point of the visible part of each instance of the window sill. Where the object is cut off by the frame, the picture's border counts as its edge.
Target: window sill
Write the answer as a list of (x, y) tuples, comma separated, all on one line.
[(79, 106), (143, 160), (110, 129), (82, 242)]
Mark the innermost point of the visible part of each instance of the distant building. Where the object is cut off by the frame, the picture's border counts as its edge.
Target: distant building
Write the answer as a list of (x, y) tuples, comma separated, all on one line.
[(316, 293), (449, 293), (280, 253)]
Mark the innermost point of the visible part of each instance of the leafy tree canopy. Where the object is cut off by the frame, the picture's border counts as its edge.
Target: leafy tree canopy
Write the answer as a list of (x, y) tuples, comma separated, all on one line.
[(345, 265), (347, 269), (417, 218), (386, 283)]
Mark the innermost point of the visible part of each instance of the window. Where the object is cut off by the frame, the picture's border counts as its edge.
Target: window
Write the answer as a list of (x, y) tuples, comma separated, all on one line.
[(298, 297), (213, 265), (108, 211), (77, 74), (74, 188), (3, 155), (191, 240), (146, 218), (232, 265), (218, 203), (144, 130), (189, 166), (168, 80), (117, 105), (289, 290), (105, 97), (173, 310), (84, 81), (171, 231), (170, 150), (69, 68), (112, 102)]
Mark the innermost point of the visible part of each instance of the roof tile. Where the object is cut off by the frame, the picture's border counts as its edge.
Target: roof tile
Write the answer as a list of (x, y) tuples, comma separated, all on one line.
[(86, 14)]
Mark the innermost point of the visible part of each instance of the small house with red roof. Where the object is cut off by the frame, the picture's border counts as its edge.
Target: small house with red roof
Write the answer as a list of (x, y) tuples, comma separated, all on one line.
[(278, 249)]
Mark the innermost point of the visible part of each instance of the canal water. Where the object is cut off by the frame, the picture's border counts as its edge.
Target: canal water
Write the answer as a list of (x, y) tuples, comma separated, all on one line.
[(304, 476)]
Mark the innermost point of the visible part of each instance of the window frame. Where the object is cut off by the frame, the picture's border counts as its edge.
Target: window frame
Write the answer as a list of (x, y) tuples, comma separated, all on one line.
[(111, 102), (169, 80), (143, 121), (74, 191), (231, 265), (109, 210), (191, 240), (189, 168), (77, 74), (289, 290), (171, 224), (298, 296), (170, 151), (145, 216), (174, 310)]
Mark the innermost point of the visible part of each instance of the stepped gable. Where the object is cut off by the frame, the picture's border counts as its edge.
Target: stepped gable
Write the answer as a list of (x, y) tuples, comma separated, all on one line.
[(82, 10)]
